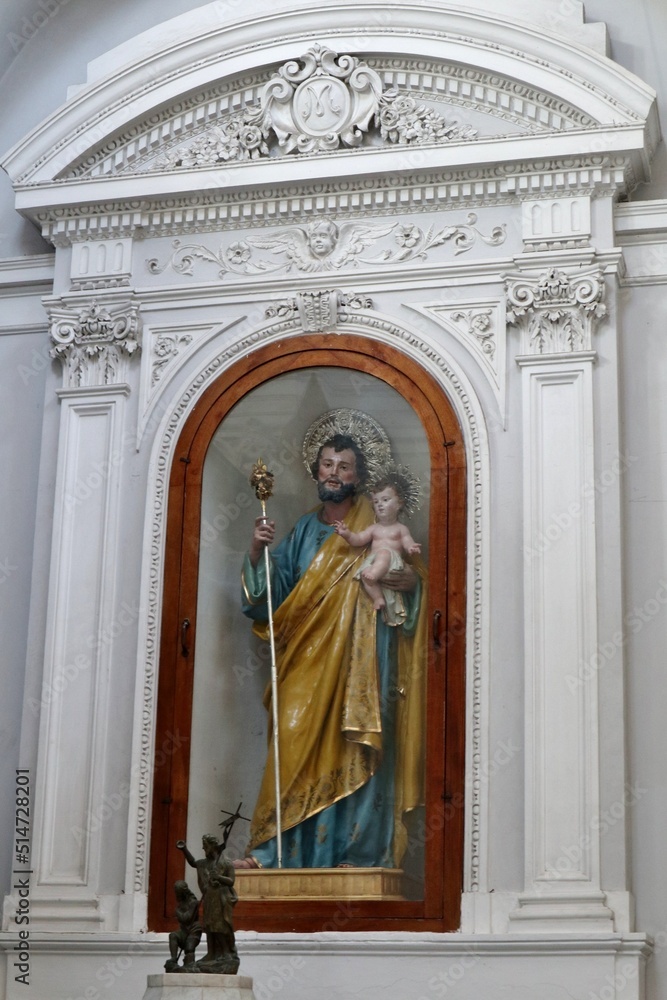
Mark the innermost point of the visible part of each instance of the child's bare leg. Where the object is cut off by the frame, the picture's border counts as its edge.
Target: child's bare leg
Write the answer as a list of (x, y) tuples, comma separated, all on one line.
[(378, 568), (369, 577), (374, 591)]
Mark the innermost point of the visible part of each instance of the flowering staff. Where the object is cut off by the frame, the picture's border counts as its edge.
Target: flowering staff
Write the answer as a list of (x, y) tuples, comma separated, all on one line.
[(262, 482)]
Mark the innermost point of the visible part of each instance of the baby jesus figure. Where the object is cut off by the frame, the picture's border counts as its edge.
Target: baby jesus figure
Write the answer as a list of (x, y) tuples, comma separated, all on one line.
[(389, 540)]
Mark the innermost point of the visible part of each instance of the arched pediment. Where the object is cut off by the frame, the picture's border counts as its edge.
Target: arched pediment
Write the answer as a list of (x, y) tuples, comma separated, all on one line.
[(474, 88), (412, 102)]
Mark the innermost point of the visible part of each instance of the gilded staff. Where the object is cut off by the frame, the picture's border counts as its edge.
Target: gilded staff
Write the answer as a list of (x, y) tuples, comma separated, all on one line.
[(262, 482)]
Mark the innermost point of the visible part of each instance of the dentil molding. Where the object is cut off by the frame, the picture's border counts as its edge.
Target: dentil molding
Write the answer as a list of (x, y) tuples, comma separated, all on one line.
[(269, 206), (209, 127)]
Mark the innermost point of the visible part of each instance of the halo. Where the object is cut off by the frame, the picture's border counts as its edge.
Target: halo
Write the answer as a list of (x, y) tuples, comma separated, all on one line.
[(410, 485), (364, 430)]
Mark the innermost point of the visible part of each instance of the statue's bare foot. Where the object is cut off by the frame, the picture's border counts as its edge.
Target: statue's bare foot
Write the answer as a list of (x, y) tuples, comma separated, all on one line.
[(245, 863), (379, 603)]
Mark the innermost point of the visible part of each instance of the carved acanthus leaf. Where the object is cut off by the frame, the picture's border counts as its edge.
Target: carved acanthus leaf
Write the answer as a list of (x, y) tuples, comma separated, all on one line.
[(556, 312), (94, 341), (326, 246)]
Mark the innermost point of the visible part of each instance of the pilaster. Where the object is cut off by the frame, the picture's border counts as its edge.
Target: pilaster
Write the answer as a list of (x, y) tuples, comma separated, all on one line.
[(556, 313), (94, 341)]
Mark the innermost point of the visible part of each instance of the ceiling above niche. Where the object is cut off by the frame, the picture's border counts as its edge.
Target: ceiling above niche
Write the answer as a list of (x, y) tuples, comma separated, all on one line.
[(325, 101)]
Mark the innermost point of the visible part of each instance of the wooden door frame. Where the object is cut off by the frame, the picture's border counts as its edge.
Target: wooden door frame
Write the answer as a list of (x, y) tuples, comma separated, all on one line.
[(444, 830)]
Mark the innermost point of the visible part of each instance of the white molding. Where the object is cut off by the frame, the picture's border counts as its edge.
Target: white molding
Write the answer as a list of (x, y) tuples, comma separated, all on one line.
[(18, 270), (153, 389), (24, 329), (641, 230), (539, 14), (623, 145), (229, 201), (590, 82), (609, 966), (493, 101), (75, 710), (487, 346), (562, 859), (372, 943)]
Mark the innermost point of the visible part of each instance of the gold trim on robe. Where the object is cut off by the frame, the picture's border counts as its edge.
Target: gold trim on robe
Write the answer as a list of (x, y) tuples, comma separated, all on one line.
[(328, 687)]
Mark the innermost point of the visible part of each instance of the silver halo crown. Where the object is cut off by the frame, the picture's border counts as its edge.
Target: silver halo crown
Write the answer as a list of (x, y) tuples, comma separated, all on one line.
[(407, 484), (365, 431)]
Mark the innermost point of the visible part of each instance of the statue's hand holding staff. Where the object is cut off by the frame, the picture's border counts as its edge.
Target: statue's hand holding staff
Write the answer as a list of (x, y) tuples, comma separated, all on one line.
[(263, 535)]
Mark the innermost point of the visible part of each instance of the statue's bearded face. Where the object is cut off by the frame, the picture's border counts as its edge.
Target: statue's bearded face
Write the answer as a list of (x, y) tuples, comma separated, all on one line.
[(337, 476)]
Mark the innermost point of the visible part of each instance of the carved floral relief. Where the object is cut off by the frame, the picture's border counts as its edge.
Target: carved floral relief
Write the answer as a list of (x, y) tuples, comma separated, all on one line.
[(317, 103), (325, 245)]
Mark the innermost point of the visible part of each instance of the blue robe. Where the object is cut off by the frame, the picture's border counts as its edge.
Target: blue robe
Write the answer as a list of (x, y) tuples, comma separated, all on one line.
[(357, 829)]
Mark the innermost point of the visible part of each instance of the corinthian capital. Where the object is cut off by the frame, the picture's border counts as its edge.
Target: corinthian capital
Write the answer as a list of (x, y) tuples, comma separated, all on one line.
[(94, 341), (556, 312)]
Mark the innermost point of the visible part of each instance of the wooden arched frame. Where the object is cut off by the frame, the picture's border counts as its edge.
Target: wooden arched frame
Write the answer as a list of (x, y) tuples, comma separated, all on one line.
[(445, 738)]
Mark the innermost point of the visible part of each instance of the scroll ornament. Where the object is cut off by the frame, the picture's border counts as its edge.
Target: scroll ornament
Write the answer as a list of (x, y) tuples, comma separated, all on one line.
[(316, 104), (318, 311), (325, 245), (94, 342), (556, 312)]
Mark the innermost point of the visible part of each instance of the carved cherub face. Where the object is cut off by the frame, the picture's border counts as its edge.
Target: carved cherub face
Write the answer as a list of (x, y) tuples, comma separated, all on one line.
[(322, 238)]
